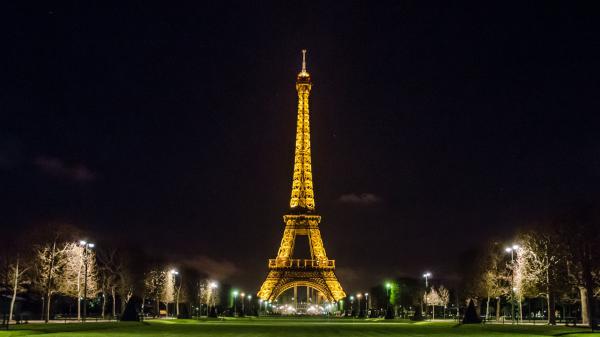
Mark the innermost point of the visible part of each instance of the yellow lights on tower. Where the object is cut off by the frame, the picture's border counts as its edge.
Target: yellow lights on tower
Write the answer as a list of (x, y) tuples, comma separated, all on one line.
[(303, 196), (318, 272)]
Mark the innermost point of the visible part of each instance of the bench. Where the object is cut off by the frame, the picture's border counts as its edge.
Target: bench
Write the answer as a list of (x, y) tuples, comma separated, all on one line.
[(570, 321)]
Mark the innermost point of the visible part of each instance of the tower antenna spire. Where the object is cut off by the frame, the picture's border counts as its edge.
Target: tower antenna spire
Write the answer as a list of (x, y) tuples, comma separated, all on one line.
[(303, 60)]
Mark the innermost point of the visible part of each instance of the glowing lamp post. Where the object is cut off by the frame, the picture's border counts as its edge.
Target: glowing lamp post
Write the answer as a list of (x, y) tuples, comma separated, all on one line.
[(388, 286), (367, 304), (234, 293), (359, 296), (174, 273), (250, 303), (212, 286), (512, 249), (427, 275), (242, 296), (86, 245)]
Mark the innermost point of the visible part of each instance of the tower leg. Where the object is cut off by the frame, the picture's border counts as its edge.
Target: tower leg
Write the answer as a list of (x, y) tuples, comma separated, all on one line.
[(308, 295), (296, 297)]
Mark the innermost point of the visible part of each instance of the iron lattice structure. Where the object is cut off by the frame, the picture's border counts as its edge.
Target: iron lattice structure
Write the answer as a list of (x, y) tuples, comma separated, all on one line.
[(318, 272)]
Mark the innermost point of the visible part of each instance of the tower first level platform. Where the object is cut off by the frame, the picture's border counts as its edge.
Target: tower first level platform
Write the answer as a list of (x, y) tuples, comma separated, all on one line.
[(318, 272)]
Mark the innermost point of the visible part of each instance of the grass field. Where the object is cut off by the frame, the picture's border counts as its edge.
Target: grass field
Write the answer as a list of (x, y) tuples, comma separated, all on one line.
[(286, 327)]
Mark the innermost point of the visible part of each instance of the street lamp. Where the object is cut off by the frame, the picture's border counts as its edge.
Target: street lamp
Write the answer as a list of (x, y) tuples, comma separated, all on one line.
[(427, 275), (174, 273), (242, 296), (388, 286), (359, 296), (250, 303), (367, 304), (86, 245), (234, 293), (211, 287), (512, 249)]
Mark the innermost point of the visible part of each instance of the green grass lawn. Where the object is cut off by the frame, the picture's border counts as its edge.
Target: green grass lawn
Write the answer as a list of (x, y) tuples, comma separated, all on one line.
[(286, 327)]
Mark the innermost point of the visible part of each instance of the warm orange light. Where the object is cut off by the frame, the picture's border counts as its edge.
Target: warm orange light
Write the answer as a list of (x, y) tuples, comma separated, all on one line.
[(318, 272)]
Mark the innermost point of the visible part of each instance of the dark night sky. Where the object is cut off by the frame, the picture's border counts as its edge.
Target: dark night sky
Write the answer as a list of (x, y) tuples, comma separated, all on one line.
[(434, 127)]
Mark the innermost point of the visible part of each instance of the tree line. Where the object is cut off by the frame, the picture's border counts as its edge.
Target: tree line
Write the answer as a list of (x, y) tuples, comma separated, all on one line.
[(55, 264), (556, 260)]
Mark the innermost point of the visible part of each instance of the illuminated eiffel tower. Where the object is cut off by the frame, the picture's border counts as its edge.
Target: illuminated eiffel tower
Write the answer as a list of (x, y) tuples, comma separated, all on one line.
[(318, 272)]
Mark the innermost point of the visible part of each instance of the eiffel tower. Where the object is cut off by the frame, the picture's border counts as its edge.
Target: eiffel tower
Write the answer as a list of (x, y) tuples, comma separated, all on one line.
[(318, 272)]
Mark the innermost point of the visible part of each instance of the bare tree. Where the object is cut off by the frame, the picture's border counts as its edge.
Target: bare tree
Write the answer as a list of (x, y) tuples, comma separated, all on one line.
[(495, 280), (115, 279), (541, 258), (432, 298), (14, 271), (444, 298), (580, 235), (169, 289), (49, 262), (73, 276), (207, 294), (154, 286)]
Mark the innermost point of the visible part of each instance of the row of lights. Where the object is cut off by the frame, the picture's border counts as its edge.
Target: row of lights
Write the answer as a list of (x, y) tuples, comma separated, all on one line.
[(359, 296), (388, 285), (235, 293), (84, 243)]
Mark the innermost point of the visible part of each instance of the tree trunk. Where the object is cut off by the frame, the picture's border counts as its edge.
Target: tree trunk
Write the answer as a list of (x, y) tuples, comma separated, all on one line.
[(551, 308), (177, 302), (498, 303), (14, 294), (585, 318), (43, 308), (114, 304), (551, 300), (588, 285), (520, 308), (79, 290), (48, 297), (78, 306), (123, 304), (103, 304), (487, 309), (457, 307), (49, 282), (433, 312)]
